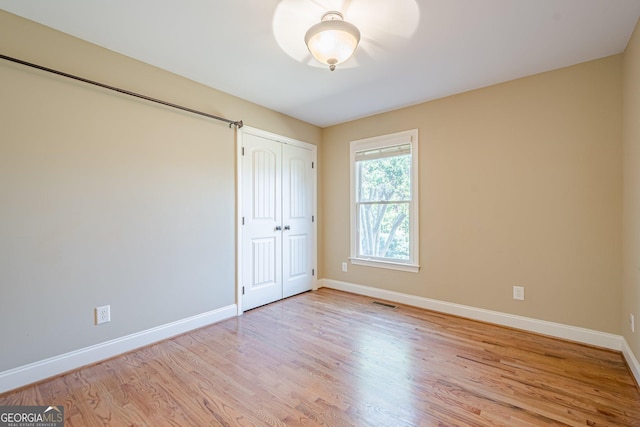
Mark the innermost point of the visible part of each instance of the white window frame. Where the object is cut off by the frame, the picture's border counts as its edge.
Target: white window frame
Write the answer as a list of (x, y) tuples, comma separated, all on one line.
[(411, 137)]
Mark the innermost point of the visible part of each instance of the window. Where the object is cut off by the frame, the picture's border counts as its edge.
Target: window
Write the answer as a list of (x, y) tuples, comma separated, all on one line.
[(384, 201)]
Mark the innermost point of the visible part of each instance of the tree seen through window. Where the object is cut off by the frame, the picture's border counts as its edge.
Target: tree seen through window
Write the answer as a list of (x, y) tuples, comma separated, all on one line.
[(383, 199)]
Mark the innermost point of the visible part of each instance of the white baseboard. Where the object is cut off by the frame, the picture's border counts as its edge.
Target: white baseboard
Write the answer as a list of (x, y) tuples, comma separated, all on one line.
[(631, 359), (38, 371), (572, 333)]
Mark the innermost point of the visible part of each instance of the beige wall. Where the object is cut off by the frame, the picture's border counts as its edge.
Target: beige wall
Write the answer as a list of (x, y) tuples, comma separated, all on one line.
[(110, 200), (631, 179), (520, 184)]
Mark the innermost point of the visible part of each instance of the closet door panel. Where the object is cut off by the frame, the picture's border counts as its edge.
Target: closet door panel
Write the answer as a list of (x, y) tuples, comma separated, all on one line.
[(297, 211), (262, 235)]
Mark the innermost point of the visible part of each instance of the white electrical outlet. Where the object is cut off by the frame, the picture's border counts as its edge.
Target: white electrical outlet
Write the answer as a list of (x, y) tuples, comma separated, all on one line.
[(344, 267), (518, 293), (103, 314), (632, 322)]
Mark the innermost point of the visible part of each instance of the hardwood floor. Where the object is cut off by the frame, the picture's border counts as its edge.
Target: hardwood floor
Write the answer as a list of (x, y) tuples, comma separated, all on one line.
[(335, 359)]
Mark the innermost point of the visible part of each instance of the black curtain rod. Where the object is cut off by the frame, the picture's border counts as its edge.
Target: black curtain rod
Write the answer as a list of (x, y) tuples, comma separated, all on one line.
[(238, 124)]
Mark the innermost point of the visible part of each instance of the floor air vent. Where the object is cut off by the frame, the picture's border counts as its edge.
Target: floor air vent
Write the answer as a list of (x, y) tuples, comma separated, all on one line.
[(384, 304)]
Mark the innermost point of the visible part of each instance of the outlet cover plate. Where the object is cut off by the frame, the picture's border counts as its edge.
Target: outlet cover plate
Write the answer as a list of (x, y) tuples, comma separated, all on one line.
[(518, 293), (103, 314)]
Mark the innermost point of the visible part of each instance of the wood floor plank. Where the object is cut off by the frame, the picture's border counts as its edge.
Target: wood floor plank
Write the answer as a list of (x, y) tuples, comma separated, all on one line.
[(330, 358)]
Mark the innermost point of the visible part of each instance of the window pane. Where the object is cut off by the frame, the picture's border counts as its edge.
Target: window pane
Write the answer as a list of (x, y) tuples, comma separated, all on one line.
[(383, 230), (384, 179)]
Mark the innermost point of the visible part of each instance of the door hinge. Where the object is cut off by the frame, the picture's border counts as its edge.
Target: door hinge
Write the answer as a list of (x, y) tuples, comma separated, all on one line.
[(243, 151), (313, 218), (242, 220), (243, 290), (313, 271), (312, 165)]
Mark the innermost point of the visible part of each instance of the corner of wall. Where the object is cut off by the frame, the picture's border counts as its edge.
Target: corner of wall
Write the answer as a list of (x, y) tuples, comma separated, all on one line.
[(631, 197)]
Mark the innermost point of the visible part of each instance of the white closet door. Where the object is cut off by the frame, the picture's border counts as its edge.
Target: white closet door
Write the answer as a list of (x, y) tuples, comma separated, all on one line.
[(297, 210), (278, 238), (261, 234)]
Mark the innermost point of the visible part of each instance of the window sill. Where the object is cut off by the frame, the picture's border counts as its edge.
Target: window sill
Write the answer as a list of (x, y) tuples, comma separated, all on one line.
[(412, 268)]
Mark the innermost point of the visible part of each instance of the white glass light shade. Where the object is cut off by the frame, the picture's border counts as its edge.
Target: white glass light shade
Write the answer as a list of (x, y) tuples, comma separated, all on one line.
[(333, 40)]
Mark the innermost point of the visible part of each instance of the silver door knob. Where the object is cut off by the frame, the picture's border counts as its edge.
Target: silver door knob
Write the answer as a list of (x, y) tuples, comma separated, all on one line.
[(286, 227), (278, 228)]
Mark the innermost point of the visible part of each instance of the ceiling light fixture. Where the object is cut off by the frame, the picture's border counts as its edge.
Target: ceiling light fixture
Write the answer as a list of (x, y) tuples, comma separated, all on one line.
[(333, 40)]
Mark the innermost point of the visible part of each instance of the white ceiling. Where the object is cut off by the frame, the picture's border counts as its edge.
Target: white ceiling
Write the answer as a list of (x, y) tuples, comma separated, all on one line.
[(411, 50)]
